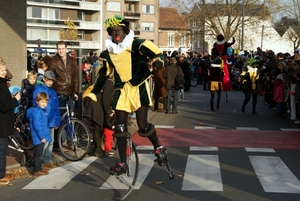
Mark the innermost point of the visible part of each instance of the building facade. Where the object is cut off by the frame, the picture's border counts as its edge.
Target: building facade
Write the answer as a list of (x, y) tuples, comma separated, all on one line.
[(46, 18), (13, 38), (174, 32)]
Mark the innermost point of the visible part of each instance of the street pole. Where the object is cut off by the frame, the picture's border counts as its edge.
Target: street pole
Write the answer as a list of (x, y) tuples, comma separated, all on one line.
[(243, 21), (80, 84)]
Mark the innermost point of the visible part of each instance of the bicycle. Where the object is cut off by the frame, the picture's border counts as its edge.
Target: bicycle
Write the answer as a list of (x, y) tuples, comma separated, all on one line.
[(21, 139), (194, 76), (132, 161), (73, 136)]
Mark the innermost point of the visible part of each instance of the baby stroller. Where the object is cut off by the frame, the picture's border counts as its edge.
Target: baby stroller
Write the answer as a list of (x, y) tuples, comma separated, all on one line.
[(21, 139)]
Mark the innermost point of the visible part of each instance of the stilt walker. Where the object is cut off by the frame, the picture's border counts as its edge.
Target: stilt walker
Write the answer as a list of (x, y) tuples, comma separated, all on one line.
[(220, 49)]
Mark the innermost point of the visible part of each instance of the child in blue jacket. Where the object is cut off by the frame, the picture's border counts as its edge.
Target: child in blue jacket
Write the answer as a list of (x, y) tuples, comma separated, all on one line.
[(40, 131), (52, 110)]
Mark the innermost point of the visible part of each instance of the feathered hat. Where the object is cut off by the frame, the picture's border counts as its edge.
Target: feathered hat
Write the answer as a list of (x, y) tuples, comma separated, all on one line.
[(115, 21), (253, 61)]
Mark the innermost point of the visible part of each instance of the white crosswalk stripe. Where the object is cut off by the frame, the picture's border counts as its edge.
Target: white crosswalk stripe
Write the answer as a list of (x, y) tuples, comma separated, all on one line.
[(60, 176), (274, 175), (202, 171)]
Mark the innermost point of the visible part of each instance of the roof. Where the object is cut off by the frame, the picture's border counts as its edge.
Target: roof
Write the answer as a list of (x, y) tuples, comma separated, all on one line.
[(171, 19)]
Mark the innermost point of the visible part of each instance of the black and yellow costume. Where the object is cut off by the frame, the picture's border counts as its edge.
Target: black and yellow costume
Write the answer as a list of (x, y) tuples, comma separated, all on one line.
[(249, 78), (128, 61), (131, 74)]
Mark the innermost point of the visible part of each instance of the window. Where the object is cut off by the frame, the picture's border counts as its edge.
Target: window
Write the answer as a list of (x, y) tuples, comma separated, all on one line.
[(54, 13), (80, 15), (43, 13), (171, 38), (81, 35), (129, 7), (113, 6), (33, 34), (148, 9), (54, 35), (182, 40), (194, 23), (147, 26)]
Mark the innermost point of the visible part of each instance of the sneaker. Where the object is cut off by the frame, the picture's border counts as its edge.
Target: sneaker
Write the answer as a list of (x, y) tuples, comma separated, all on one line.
[(120, 168), (161, 154), (104, 155), (111, 153), (297, 121)]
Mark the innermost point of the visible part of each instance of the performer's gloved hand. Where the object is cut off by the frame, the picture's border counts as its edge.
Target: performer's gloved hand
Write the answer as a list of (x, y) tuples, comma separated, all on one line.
[(157, 64)]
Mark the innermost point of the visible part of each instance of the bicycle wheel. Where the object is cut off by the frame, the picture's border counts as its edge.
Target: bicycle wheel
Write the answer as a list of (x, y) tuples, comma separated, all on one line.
[(23, 138), (132, 161), (194, 76), (74, 139)]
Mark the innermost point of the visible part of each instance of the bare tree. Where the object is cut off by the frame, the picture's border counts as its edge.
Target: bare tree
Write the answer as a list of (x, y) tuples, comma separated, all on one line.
[(208, 18), (289, 25)]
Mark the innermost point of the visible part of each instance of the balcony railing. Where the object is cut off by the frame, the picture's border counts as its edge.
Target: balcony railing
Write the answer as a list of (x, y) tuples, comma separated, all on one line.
[(50, 43), (51, 22), (137, 32), (132, 14), (69, 3)]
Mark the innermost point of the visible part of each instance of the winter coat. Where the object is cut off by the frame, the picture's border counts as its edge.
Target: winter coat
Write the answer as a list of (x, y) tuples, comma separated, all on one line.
[(96, 111), (159, 81), (66, 76), (7, 105), (279, 93), (52, 108), (170, 75), (27, 90), (185, 67), (39, 127)]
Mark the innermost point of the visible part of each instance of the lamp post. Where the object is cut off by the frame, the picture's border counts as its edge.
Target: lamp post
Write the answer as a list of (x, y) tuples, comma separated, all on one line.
[(243, 20)]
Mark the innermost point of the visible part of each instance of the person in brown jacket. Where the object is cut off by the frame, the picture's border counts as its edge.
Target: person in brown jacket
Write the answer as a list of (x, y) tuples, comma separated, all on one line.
[(66, 73), (159, 87), (170, 75), (66, 85)]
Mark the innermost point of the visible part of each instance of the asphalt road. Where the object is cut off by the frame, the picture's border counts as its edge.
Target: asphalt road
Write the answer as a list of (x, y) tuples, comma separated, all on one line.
[(216, 155)]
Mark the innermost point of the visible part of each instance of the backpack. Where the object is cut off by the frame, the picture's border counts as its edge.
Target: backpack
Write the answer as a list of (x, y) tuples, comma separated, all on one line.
[(179, 81)]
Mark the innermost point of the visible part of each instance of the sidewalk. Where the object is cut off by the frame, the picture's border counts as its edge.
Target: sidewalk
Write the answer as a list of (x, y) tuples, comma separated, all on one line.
[(13, 158)]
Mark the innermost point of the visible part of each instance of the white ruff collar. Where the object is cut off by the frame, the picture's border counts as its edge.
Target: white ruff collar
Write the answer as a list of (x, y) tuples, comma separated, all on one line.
[(220, 42), (251, 69), (118, 48)]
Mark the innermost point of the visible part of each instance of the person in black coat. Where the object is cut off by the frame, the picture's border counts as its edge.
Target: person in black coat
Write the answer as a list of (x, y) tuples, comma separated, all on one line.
[(7, 105)]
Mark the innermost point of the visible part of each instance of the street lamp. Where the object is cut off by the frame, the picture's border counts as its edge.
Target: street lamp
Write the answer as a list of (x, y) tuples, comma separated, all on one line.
[(243, 16)]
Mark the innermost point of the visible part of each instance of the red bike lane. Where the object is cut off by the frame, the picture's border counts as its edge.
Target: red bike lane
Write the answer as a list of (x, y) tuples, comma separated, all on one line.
[(224, 138)]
